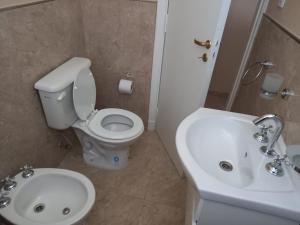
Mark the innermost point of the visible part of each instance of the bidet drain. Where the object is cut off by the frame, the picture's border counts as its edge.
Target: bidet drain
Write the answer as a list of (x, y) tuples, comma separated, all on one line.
[(66, 211), (39, 208), (226, 166)]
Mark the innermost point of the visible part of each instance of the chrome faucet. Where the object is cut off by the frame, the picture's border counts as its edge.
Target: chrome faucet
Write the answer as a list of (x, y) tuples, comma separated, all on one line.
[(4, 200), (27, 171), (275, 167), (8, 183), (269, 149)]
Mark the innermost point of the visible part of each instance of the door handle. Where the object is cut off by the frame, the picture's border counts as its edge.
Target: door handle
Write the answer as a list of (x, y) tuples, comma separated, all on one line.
[(206, 44), (204, 57)]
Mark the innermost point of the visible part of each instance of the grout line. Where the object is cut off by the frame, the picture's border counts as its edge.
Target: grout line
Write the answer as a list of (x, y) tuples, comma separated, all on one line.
[(15, 5), (283, 28)]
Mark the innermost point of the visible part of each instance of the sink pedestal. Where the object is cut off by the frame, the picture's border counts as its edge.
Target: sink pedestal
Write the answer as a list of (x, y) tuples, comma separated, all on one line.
[(205, 212)]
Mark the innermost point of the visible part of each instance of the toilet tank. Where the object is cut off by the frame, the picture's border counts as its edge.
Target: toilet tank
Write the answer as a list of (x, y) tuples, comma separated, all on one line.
[(56, 92)]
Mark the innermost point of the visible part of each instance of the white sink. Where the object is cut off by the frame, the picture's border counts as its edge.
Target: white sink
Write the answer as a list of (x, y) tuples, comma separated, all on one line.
[(50, 196), (208, 137), (211, 140)]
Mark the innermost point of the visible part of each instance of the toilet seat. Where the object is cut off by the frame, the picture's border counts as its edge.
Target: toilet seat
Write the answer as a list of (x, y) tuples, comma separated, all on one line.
[(120, 119), (111, 123), (84, 94)]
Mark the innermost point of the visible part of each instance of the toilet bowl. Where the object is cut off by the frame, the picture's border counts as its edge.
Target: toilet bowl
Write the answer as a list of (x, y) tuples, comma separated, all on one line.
[(106, 137), (68, 96)]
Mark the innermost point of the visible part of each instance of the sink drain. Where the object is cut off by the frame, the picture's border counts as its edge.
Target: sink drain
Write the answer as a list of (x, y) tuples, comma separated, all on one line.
[(66, 211), (226, 166), (39, 208)]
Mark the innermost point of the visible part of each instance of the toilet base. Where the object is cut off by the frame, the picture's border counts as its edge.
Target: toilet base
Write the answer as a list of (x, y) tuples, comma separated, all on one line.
[(103, 155), (111, 160)]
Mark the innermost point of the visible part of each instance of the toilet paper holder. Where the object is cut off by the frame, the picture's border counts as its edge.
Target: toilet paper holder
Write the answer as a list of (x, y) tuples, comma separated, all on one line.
[(129, 75)]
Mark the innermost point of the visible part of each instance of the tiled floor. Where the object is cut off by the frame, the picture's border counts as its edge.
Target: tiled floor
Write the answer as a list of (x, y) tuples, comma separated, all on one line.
[(148, 192)]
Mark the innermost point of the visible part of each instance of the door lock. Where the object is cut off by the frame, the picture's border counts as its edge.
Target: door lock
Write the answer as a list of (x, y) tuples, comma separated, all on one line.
[(204, 57), (206, 44)]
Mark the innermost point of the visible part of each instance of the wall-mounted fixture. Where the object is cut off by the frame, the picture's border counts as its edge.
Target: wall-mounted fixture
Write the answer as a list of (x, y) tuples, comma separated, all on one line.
[(259, 66), (281, 3), (272, 82), (271, 87), (285, 93)]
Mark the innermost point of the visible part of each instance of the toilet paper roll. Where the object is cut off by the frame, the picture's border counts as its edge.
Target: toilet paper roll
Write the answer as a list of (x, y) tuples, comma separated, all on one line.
[(125, 86)]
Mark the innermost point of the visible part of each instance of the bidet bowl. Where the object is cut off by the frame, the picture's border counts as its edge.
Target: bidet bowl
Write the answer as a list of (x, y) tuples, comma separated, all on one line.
[(50, 196)]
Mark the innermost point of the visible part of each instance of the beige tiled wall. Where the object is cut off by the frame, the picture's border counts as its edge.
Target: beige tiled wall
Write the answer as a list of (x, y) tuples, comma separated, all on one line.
[(274, 44), (119, 38), (33, 41), (234, 41), (288, 17), (9, 4)]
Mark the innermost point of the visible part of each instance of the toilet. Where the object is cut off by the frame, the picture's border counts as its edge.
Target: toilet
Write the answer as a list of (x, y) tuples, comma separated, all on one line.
[(68, 96)]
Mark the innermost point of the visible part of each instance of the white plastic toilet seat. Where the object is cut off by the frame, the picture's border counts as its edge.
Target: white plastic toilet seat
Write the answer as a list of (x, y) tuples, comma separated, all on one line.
[(84, 94), (121, 124), (95, 125)]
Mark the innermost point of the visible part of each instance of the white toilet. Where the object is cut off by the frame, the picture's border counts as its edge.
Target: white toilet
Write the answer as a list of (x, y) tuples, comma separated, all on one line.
[(68, 96)]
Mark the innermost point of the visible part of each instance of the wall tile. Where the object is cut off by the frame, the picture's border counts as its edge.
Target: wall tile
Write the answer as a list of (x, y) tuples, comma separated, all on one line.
[(274, 44), (119, 37), (33, 41)]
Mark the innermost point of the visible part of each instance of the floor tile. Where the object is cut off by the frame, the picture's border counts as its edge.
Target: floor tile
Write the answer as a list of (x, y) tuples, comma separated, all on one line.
[(148, 192), (156, 214)]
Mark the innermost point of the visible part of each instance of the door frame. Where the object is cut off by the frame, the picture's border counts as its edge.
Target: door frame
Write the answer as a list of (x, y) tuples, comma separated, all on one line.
[(261, 9), (159, 42), (160, 29)]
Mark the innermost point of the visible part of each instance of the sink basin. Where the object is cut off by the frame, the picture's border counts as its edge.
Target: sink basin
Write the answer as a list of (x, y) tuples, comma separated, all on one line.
[(223, 164), (222, 139), (50, 196)]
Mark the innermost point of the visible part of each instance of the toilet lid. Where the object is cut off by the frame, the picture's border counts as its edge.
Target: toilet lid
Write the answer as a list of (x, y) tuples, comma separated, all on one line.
[(84, 94)]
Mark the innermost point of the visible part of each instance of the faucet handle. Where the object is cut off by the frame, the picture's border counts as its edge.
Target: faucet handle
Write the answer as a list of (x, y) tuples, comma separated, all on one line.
[(26, 167), (8, 183), (275, 167), (278, 159), (4, 200), (27, 171), (3, 194), (8, 178), (263, 128), (262, 135)]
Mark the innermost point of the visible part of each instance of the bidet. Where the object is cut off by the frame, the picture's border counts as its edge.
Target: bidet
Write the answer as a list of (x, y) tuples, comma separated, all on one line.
[(48, 196)]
